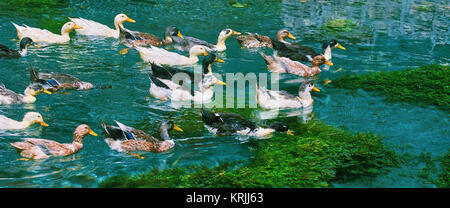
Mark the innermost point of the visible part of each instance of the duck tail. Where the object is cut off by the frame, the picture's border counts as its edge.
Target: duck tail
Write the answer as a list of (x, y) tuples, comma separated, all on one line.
[(105, 129), (267, 59), (34, 74), (156, 81)]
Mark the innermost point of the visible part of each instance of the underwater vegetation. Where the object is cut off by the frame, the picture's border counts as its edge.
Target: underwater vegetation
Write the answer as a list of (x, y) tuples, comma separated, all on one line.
[(316, 156), (426, 85), (444, 177)]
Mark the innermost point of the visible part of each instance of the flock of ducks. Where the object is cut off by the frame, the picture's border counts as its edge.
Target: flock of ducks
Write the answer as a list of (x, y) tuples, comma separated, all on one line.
[(286, 59)]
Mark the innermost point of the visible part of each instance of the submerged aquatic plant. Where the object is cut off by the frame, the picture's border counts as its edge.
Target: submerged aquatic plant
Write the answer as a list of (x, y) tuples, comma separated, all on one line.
[(426, 85), (444, 176), (317, 155)]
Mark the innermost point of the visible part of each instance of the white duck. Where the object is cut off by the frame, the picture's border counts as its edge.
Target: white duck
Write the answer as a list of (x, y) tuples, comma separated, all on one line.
[(269, 99), (29, 119), (40, 35), (94, 28), (163, 57)]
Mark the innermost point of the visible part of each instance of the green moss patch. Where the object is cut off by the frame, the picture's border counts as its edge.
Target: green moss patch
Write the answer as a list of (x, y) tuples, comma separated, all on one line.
[(444, 176), (317, 155), (426, 85)]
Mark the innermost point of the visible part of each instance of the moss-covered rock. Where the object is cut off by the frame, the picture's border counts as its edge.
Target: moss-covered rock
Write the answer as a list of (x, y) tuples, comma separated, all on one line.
[(317, 155), (426, 85)]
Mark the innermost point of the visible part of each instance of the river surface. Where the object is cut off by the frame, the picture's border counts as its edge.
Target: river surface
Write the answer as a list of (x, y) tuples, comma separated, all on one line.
[(386, 36)]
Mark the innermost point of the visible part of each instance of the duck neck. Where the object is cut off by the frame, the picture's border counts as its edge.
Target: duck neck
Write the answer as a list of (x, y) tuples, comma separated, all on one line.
[(23, 51), (221, 43), (25, 123), (77, 138), (193, 57), (327, 52), (281, 38), (304, 95), (167, 40), (315, 68), (117, 25), (28, 97), (164, 134)]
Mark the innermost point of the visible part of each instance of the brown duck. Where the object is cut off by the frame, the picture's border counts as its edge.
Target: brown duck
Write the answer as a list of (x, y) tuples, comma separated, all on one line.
[(286, 65), (254, 40), (42, 148), (127, 139)]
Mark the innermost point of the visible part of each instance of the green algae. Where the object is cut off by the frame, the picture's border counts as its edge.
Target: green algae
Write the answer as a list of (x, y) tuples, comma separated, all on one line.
[(316, 156), (343, 25), (443, 180), (426, 85)]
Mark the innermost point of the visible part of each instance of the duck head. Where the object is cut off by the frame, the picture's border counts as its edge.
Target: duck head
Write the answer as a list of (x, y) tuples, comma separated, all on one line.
[(334, 44), (226, 33), (281, 127), (26, 41), (33, 117), (83, 130), (283, 34), (198, 50), (121, 18), (209, 79), (169, 125), (35, 89), (68, 27), (319, 60)]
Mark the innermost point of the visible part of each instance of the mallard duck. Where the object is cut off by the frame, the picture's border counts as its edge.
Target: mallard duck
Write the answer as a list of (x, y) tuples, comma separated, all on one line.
[(286, 65), (296, 51), (40, 35), (269, 99), (9, 97), (162, 86), (185, 43), (90, 27), (129, 38), (58, 81), (254, 40), (8, 53), (29, 119), (224, 123), (164, 57), (42, 148), (126, 139)]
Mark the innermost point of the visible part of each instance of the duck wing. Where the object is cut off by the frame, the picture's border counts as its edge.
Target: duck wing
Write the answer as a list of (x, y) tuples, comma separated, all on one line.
[(131, 133), (195, 41), (227, 123), (14, 97)]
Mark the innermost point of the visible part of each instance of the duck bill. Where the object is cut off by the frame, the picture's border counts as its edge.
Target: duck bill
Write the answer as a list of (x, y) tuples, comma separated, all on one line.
[(77, 27), (220, 82), (291, 36), (235, 33), (130, 20), (340, 46), (329, 63), (316, 89), (176, 128), (179, 34), (92, 133), (34, 44), (205, 53), (289, 132), (219, 60), (43, 124), (47, 92)]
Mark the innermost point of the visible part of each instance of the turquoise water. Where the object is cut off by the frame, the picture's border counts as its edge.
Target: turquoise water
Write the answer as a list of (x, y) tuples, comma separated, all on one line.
[(388, 36)]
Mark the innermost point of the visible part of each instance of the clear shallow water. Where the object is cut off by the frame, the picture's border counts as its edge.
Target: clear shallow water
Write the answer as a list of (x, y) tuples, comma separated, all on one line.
[(389, 36)]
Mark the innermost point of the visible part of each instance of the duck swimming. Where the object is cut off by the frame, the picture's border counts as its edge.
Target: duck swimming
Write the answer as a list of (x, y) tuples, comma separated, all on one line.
[(163, 57), (254, 40), (269, 99), (129, 38), (126, 139), (162, 86), (40, 35), (285, 65), (29, 119), (89, 27), (8, 53), (58, 81), (296, 51), (185, 43), (224, 123), (42, 148), (8, 97)]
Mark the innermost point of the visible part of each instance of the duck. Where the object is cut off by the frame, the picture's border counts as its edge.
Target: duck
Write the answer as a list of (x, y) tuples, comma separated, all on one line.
[(8, 53), (270, 99), (8, 97), (161, 56), (29, 119), (185, 43), (226, 124), (58, 81), (93, 28), (286, 65), (163, 88), (32, 148), (123, 138), (298, 52), (40, 35), (129, 38), (254, 40)]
